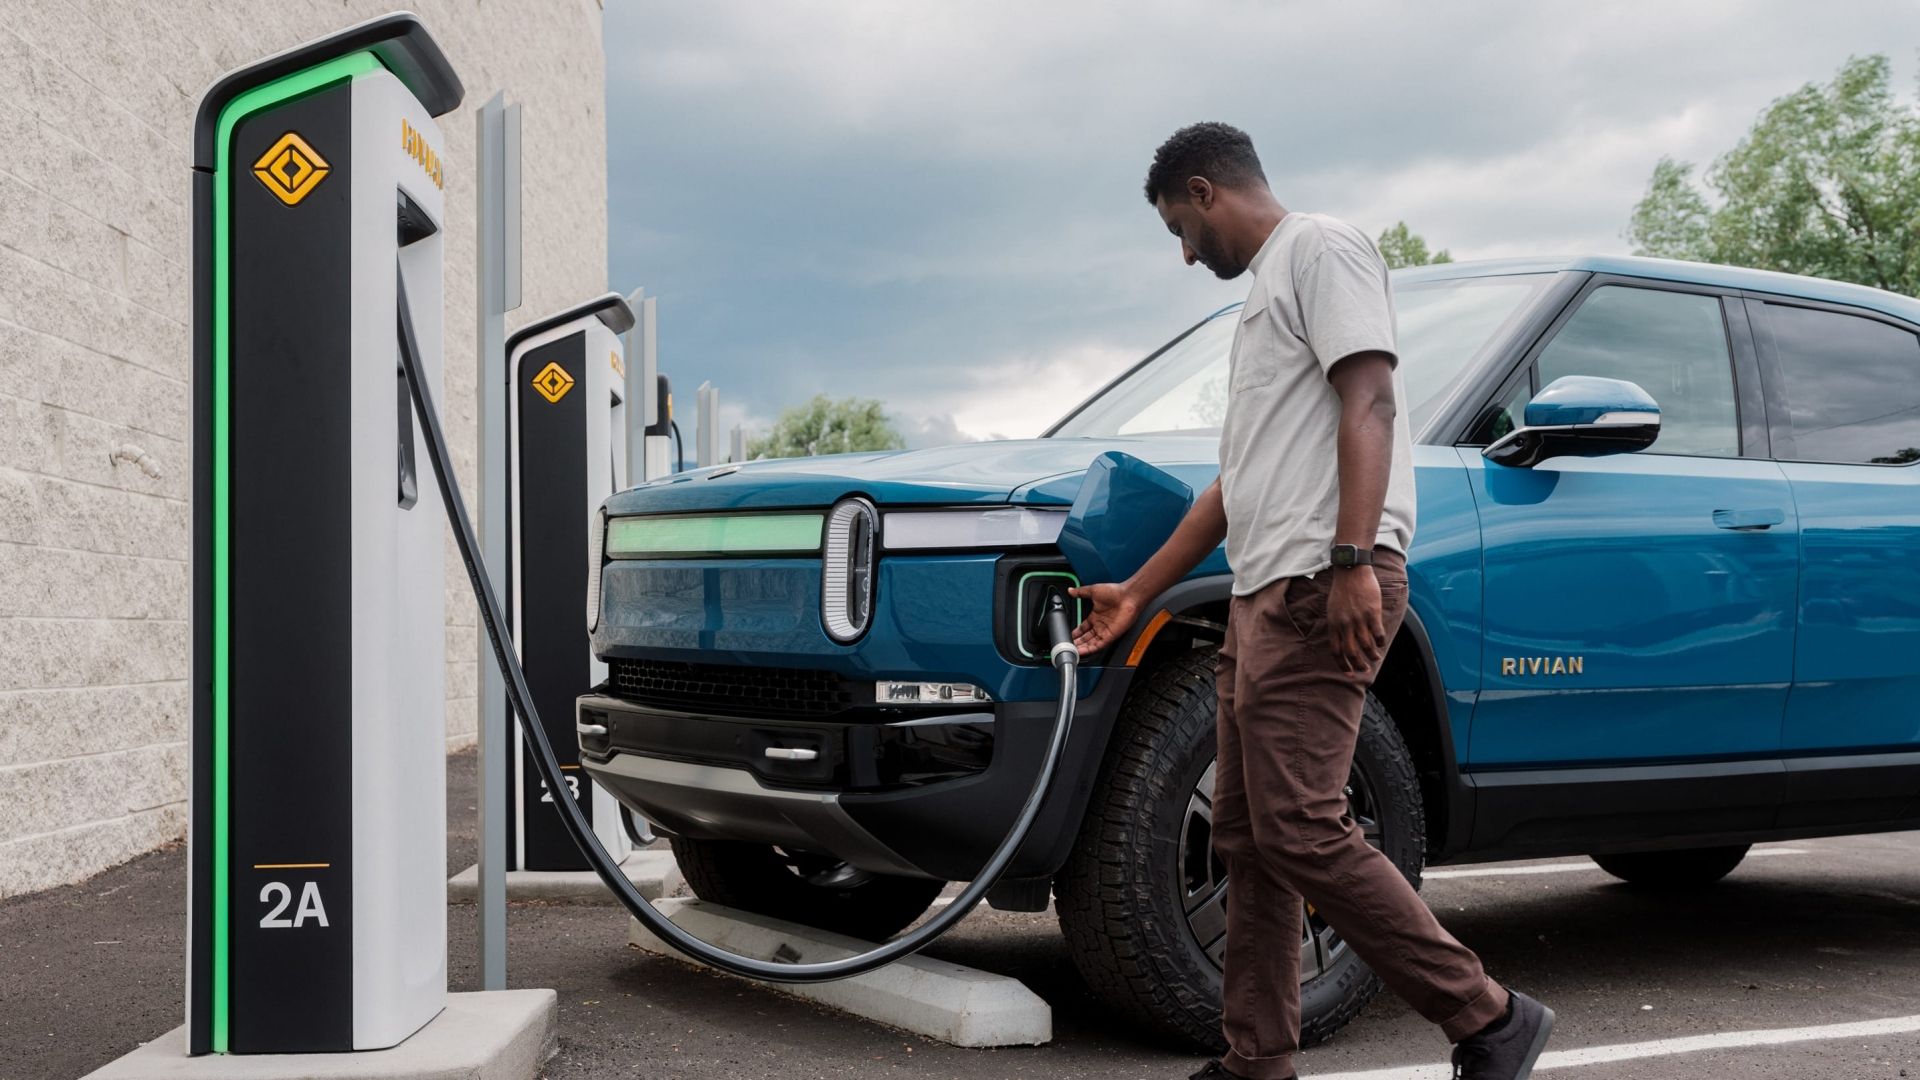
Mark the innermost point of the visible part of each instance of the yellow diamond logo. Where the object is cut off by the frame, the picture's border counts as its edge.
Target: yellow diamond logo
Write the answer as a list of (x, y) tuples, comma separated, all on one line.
[(553, 383), (291, 169)]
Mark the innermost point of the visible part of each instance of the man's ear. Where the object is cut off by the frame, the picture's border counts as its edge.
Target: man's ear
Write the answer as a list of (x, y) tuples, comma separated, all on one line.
[(1200, 190)]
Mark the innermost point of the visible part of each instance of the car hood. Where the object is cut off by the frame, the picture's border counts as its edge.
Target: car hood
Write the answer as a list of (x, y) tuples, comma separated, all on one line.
[(1028, 471)]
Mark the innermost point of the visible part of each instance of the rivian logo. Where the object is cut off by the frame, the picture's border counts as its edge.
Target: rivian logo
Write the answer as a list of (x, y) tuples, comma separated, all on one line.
[(291, 169), (1543, 665), (552, 383)]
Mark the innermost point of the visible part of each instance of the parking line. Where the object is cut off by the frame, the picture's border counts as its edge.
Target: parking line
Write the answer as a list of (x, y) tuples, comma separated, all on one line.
[(1688, 1044), (1564, 867)]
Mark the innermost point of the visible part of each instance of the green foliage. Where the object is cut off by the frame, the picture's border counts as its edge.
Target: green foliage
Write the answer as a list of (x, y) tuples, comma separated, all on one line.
[(1825, 183), (1401, 246), (825, 426)]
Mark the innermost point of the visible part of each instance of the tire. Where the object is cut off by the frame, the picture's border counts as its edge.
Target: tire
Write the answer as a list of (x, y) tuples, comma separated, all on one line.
[(1693, 868), (813, 890), (1123, 893)]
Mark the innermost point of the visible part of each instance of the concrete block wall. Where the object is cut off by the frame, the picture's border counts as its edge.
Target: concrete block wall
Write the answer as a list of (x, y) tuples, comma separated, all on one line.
[(95, 460)]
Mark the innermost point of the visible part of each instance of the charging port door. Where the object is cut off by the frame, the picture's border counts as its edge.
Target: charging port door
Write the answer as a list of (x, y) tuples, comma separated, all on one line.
[(1125, 511)]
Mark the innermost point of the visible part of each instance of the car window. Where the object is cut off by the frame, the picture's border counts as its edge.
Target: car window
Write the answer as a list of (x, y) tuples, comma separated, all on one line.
[(1673, 345), (1852, 387), (1508, 415), (1443, 327)]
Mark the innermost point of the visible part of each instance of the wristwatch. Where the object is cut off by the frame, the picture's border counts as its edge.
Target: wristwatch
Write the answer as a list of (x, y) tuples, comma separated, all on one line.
[(1348, 556)]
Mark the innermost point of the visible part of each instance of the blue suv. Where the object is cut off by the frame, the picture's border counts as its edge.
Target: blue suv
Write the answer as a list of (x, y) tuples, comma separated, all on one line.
[(1665, 604)]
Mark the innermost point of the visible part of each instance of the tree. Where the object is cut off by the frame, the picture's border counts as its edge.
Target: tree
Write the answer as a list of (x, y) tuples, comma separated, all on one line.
[(1825, 183), (1401, 246), (825, 426)]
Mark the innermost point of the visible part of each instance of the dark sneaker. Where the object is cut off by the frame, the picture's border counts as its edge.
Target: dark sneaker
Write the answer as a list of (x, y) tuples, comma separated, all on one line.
[(1507, 1049)]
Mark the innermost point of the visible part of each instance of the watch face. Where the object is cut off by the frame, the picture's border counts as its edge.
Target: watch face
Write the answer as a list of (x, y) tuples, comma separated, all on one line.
[(1343, 554)]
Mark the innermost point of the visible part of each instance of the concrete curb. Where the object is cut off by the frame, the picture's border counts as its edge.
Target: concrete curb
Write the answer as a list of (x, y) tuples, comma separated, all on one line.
[(654, 872), (941, 1000), (494, 1035)]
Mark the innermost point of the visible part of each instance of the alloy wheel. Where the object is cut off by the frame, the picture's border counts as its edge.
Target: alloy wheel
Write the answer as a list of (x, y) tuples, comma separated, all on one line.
[(1203, 877)]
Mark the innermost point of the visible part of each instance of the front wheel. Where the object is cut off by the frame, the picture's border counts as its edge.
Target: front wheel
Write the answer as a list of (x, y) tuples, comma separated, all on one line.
[(1142, 899), (1693, 868), (814, 890)]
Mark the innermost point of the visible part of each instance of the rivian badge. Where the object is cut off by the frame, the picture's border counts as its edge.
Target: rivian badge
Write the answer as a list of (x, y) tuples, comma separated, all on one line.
[(1543, 665)]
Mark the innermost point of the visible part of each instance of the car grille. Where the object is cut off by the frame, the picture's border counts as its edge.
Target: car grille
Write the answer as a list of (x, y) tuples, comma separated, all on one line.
[(724, 688)]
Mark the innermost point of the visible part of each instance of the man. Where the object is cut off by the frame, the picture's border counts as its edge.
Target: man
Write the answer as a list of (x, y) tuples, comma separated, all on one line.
[(1315, 501)]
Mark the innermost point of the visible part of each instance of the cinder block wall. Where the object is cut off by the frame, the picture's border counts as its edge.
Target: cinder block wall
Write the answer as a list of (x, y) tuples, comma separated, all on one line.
[(95, 461)]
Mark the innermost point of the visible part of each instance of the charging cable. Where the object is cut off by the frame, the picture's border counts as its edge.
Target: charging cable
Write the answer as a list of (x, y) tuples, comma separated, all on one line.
[(1065, 658)]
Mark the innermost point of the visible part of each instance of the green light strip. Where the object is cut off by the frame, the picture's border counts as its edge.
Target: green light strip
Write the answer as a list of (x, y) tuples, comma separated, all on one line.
[(712, 534), (260, 97)]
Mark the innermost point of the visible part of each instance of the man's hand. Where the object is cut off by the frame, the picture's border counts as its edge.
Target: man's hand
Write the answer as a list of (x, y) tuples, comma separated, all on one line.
[(1354, 622), (1115, 610)]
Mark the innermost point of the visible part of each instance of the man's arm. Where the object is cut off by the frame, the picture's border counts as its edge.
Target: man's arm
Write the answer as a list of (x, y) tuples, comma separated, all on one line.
[(1116, 606), (1364, 382)]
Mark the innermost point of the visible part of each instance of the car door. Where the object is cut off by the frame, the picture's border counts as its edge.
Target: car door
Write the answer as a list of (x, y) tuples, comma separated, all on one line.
[(1843, 402), (1638, 607)]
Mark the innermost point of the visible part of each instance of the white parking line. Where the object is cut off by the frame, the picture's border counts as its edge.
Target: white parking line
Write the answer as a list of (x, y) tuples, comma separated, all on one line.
[(1565, 867), (1600, 1055)]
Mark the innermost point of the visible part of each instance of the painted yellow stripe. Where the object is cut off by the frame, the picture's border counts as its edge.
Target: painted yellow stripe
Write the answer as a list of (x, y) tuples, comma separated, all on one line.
[(291, 865)]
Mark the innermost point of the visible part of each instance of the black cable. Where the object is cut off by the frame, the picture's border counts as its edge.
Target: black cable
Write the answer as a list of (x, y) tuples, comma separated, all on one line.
[(679, 451), (1065, 660)]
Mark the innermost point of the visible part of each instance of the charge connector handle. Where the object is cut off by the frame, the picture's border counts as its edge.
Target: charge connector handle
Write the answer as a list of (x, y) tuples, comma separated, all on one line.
[(1060, 632)]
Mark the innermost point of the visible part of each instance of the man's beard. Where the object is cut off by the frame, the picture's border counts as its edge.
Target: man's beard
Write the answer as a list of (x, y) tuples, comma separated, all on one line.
[(1212, 254)]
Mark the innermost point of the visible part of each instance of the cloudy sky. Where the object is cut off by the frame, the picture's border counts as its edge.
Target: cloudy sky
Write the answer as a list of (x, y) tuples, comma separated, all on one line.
[(938, 204)]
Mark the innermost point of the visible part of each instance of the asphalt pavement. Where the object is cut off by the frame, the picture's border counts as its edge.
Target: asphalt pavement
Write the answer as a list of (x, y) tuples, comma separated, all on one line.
[(1805, 963)]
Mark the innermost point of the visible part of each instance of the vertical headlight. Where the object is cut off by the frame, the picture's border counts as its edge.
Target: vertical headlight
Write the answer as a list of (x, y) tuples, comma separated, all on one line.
[(596, 554), (846, 572)]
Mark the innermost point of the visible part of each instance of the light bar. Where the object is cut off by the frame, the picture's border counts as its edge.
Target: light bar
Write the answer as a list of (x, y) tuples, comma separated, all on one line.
[(1000, 527), (687, 535)]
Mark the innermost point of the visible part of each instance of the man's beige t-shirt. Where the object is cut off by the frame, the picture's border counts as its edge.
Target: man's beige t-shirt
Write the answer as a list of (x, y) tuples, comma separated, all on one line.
[(1319, 295)]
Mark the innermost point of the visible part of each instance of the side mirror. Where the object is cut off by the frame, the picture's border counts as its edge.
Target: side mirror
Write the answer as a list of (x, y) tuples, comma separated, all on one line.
[(1580, 416)]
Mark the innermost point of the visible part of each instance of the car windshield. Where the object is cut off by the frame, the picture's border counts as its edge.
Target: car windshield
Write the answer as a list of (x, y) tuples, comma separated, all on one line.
[(1442, 326)]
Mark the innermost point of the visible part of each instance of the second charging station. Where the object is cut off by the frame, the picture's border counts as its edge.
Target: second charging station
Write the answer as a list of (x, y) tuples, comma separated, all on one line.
[(566, 452)]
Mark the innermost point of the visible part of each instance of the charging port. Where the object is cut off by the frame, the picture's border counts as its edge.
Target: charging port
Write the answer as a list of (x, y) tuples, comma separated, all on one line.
[(1037, 591)]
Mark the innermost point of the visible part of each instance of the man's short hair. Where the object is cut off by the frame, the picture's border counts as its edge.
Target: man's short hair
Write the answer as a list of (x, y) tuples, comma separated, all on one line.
[(1220, 152)]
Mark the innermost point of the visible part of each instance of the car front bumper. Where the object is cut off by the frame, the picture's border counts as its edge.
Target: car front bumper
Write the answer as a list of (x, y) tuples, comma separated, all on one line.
[(931, 796)]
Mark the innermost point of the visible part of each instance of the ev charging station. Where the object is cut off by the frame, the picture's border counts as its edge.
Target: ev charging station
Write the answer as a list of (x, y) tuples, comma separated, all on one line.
[(566, 452), (317, 894)]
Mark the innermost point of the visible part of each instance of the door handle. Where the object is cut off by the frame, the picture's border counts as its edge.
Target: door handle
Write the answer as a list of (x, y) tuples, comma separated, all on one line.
[(1749, 520)]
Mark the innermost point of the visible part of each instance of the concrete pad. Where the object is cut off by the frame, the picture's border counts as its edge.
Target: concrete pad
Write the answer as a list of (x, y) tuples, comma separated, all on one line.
[(494, 1035), (941, 1000), (653, 872)]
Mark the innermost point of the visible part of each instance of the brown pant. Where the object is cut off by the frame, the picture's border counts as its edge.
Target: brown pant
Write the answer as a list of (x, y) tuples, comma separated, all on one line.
[(1289, 717)]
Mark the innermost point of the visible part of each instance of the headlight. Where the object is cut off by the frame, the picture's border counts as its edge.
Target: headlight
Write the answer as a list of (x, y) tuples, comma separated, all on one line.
[(1000, 527), (846, 570), (889, 692), (596, 547)]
